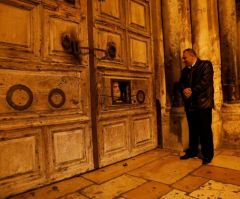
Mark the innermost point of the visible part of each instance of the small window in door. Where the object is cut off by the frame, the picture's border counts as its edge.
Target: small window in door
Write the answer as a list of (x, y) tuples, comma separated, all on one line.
[(121, 91)]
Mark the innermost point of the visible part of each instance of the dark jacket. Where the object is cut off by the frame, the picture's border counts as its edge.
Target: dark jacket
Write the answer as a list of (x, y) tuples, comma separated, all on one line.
[(200, 79)]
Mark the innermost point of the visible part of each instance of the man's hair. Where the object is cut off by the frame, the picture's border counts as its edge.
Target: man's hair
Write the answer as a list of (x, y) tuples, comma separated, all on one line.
[(190, 50)]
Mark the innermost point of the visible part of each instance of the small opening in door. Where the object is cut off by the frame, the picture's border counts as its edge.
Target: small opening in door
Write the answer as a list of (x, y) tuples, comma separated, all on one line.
[(121, 91)]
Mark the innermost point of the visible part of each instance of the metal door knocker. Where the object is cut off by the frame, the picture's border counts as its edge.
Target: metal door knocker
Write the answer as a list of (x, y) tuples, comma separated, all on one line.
[(111, 50), (66, 42), (19, 97), (70, 1), (70, 45)]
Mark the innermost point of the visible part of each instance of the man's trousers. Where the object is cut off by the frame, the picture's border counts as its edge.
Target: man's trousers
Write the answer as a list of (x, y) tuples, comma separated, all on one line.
[(200, 131)]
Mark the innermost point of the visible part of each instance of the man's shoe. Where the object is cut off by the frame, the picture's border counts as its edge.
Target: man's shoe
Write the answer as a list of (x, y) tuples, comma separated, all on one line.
[(187, 156), (205, 161)]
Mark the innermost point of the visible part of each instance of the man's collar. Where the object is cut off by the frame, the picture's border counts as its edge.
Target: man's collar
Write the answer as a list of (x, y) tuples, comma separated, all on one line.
[(193, 64)]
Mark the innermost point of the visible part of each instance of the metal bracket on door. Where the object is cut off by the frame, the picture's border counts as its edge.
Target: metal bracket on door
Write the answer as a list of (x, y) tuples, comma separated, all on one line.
[(73, 47), (70, 45), (111, 50), (70, 1)]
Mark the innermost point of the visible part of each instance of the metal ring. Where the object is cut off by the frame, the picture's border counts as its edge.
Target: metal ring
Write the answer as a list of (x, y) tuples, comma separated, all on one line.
[(140, 96), (56, 91), (10, 93)]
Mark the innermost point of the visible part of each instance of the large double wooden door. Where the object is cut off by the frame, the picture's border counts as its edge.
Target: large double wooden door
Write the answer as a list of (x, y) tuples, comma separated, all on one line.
[(76, 85)]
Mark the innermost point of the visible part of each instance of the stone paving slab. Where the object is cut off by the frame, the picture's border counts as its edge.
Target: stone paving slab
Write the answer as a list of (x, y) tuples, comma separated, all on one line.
[(227, 161), (231, 152), (112, 188), (167, 170), (228, 176), (56, 190), (152, 175), (176, 194), (109, 172), (75, 195), (190, 183), (148, 190), (213, 189)]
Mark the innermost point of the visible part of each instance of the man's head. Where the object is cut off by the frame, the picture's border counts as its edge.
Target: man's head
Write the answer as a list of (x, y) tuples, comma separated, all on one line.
[(189, 57)]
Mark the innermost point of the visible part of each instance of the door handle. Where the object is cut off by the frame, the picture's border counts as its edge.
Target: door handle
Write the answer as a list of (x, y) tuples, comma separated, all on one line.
[(72, 46)]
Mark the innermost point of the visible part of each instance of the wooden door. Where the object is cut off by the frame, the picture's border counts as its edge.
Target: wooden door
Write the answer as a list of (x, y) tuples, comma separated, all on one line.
[(45, 131), (126, 124)]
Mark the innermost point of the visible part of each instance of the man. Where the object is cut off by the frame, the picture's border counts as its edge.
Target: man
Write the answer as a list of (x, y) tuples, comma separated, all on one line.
[(196, 84)]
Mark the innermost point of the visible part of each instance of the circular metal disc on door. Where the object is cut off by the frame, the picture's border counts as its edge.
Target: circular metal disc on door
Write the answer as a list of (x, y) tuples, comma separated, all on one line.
[(140, 96), (56, 98), (19, 97)]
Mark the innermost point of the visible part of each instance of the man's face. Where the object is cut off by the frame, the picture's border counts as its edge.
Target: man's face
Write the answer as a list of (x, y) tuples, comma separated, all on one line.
[(188, 58)]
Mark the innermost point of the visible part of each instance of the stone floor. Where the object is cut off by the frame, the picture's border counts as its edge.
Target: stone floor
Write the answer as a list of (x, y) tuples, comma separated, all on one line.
[(155, 174)]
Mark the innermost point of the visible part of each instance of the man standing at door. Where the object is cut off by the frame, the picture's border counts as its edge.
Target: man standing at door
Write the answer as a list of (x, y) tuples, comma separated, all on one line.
[(196, 84)]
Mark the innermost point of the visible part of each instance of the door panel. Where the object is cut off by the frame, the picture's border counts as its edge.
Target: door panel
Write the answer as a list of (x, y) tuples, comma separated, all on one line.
[(106, 36), (16, 148), (67, 146), (139, 16), (114, 139), (140, 53), (22, 159), (109, 10), (142, 127), (144, 137), (45, 131), (55, 27), (125, 87), (22, 23), (20, 36), (43, 87)]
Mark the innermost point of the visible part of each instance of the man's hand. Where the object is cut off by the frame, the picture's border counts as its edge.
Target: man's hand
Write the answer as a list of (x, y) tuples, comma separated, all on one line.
[(187, 92)]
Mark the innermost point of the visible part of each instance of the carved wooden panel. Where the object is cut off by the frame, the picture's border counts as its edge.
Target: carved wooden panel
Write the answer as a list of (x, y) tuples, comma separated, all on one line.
[(138, 16), (105, 36), (114, 141), (19, 32), (48, 89), (65, 142), (69, 149), (140, 89), (21, 159), (17, 149), (110, 10), (70, 7), (144, 133), (55, 27), (140, 53)]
